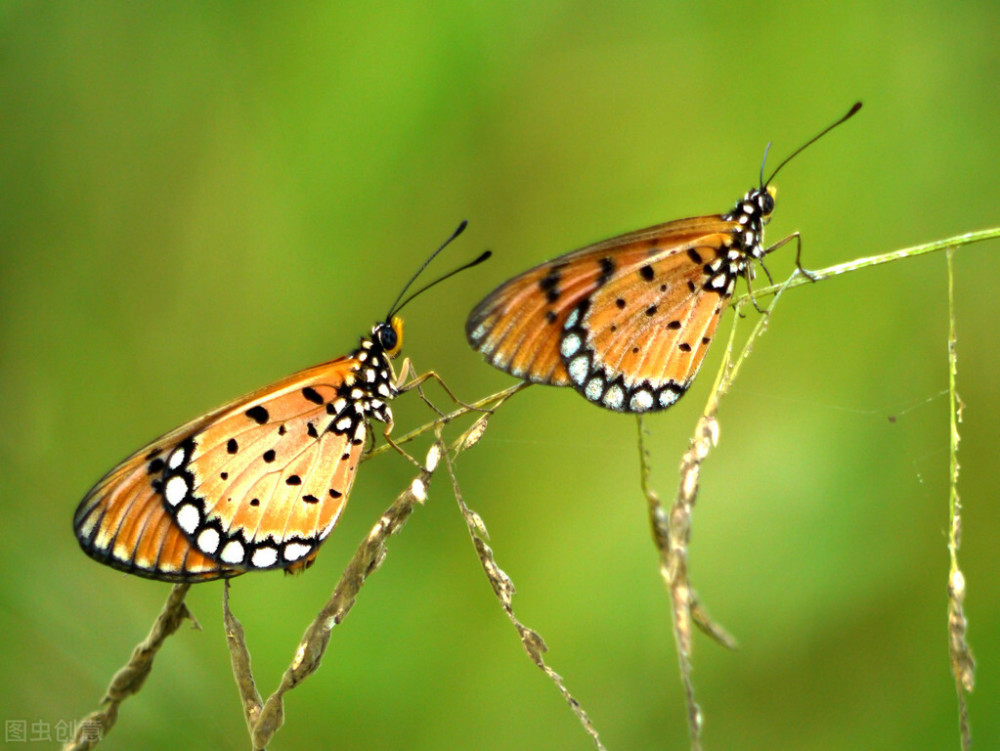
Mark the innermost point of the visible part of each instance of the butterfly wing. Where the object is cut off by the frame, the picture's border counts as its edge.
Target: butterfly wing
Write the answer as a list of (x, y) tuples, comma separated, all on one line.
[(256, 484), (626, 322)]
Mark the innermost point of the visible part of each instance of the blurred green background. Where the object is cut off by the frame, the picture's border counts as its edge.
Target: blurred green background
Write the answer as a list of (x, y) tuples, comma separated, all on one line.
[(198, 198)]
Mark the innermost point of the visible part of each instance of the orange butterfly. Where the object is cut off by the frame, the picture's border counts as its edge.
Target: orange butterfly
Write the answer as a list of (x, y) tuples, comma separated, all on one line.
[(256, 484), (627, 322)]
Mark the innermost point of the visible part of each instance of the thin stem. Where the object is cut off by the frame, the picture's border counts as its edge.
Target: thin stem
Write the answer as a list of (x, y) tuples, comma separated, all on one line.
[(897, 255), (962, 663)]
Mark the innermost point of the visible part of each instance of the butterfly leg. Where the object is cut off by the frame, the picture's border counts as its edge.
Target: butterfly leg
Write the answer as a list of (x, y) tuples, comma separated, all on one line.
[(408, 381), (399, 449), (798, 253), (746, 274)]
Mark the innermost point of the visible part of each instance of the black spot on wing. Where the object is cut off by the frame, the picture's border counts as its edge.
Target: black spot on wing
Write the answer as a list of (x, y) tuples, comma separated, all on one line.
[(607, 271), (258, 414)]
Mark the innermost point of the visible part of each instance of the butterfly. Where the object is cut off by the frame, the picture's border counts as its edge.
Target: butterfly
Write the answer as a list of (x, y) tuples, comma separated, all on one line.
[(256, 484), (627, 322)]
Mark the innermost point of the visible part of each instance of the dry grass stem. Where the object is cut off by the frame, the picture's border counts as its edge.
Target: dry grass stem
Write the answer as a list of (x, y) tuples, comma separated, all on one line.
[(264, 719), (948, 243), (91, 729), (503, 586), (240, 658), (486, 404), (672, 529), (962, 663)]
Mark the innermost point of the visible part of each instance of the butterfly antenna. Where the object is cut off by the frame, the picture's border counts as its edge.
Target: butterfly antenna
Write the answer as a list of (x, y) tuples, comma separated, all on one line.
[(851, 113), (762, 163), (398, 306), (458, 231)]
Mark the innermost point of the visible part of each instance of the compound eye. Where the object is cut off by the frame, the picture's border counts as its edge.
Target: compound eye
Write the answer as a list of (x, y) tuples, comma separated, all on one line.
[(387, 338), (767, 202)]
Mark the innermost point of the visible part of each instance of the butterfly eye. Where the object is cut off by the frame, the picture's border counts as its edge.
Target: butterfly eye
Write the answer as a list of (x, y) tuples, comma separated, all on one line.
[(387, 338), (767, 201), (390, 336)]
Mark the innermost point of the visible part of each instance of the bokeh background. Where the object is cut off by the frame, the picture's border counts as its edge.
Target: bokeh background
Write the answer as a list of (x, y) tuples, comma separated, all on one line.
[(198, 198)]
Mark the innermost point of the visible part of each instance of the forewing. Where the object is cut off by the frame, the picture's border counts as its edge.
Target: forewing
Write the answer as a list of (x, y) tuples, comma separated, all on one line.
[(256, 484), (626, 321)]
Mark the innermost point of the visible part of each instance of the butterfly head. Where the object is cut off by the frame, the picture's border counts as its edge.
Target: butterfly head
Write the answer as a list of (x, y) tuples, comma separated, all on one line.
[(751, 213), (388, 335)]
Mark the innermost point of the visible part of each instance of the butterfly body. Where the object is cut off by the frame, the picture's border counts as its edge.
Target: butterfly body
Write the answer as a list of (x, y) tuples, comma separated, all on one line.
[(626, 322), (256, 484)]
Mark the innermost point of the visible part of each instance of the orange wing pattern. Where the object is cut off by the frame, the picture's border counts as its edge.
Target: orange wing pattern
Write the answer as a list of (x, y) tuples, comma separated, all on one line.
[(255, 484), (627, 321)]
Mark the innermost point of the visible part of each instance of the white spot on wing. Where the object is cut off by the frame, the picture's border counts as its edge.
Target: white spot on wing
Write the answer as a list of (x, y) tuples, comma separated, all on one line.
[(571, 321), (188, 518), (578, 368), (570, 345), (614, 397), (175, 490), (595, 386), (208, 540), (479, 332), (264, 557), (641, 401), (233, 552), (295, 550), (176, 458), (668, 397)]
